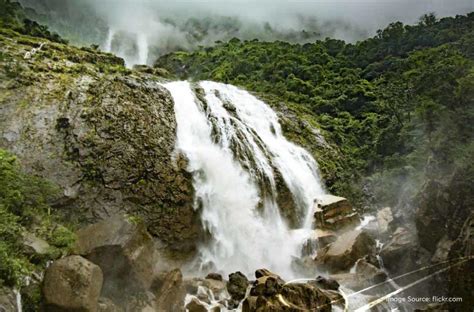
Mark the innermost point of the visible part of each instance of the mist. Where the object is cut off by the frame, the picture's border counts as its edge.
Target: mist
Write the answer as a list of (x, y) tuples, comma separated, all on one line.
[(142, 30)]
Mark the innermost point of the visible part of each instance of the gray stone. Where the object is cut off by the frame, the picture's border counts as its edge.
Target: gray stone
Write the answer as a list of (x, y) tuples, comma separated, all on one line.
[(125, 252), (384, 219), (169, 291), (334, 213), (35, 245), (7, 300), (72, 284), (346, 250)]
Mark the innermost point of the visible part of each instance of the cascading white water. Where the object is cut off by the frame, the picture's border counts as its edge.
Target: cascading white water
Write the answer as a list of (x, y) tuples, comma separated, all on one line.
[(139, 55), (107, 46), (142, 46), (233, 142)]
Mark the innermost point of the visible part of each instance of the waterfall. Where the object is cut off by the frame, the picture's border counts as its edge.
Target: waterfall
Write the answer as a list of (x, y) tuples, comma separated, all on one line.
[(107, 46), (135, 53), (142, 46), (235, 147), (19, 304)]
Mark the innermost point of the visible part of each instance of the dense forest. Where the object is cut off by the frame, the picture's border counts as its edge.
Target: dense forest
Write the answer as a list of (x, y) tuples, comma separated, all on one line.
[(392, 103)]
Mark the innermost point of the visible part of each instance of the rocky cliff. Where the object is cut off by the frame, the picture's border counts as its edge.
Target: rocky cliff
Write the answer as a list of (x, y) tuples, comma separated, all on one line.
[(103, 133)]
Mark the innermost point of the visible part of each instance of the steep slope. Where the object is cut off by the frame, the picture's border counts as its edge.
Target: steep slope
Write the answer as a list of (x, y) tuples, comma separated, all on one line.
[(103, 133)]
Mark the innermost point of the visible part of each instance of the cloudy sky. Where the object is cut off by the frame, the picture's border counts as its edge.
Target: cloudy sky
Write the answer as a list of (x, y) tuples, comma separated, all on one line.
[(161, 26), (367, 14)]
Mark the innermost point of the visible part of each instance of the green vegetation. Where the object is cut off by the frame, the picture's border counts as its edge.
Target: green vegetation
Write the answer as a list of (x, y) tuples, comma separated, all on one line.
[(25, 208), (391, 104), (13, 16)]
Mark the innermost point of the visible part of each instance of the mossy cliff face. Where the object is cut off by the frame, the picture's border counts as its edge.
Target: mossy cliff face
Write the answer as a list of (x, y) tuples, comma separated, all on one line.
[(103, 133)]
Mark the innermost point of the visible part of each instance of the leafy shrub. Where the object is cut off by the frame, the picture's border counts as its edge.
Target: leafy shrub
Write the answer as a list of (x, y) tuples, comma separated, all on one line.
[(24, 207)]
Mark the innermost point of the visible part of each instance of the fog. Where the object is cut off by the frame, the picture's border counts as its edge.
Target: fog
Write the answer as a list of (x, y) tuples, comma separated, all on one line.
[(160, 26)]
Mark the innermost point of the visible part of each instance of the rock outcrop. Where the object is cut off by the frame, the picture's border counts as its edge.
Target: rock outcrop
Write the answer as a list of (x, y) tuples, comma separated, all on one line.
[(384, 220), (196, 306), (237, 288), (124, 251), (334, 213), (400, 254), (72, 284), (7, 300), (104, 134), (169, 291), (346, 250), (270, 293)]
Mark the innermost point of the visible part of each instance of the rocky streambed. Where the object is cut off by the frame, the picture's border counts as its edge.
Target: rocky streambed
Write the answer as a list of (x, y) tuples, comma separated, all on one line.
[(116, 266)]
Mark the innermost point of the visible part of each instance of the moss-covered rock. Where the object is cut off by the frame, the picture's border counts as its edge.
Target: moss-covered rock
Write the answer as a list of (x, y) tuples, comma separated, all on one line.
[(103, 133)]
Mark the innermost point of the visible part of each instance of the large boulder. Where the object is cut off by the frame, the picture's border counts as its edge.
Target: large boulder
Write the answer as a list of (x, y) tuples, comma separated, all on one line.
[(196, 306), (237, 288), (208, 289), (346, 250), (384, 220), (169, 291), (361, 276), (334, 213), (72, 284), (107, 305), (401, 253), (270, 293), (125, 252)]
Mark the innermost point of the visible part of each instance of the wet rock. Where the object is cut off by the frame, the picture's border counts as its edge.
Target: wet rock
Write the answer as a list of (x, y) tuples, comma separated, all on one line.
[(401, 254), (169, 292), (107, 305), (327, 283), (363, 275), (334, 213), (267, 283), (290, 297), (216, 287), (196, 306), (7, 300), (204, 289), (266, 286), (249, 304), (319, 240), (384, 219), (442, 250), (324, 237), (306, 297), (72, 284), (270, 293), (267, 273), (369, 270), (237, 287), (352, 281), (214, 276), (124, 251), (346, 250)]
